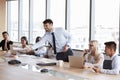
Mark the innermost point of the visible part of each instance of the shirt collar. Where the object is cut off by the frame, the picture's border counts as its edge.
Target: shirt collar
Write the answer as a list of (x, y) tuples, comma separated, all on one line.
[(113, 56), (53, 30)]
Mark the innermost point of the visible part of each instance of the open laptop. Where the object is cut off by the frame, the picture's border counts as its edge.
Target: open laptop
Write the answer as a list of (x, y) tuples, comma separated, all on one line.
[(76, 61)]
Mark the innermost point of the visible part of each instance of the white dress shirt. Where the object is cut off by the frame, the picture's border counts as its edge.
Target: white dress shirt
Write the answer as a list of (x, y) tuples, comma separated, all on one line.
[(62, 38), (41, 51), (115, 66)]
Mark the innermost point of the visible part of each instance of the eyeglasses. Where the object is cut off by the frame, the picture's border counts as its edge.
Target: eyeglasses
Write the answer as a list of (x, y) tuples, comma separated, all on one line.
[(91, 45)]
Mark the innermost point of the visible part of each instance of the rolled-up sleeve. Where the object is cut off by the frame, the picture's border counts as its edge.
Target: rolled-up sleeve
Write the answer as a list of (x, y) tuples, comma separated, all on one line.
[(41, 42), (113, 71)]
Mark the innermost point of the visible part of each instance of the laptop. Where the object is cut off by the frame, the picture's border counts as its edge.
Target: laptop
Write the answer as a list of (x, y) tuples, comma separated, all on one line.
[(75, 61)]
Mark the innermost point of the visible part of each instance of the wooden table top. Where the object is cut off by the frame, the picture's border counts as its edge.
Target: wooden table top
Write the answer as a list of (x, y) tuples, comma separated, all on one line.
[(17, 72)]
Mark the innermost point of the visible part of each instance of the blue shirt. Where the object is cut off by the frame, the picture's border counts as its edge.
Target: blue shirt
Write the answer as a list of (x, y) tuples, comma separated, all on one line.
[(62, 38)]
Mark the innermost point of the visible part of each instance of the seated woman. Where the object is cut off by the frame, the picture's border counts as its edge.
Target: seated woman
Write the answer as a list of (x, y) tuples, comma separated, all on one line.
[(40, 51), (92, 57), (24, 45)]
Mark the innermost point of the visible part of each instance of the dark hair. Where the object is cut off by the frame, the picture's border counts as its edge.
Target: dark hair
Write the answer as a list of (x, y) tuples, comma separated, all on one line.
[(25, 38), (5, 32), (111, 45), (37, 39), (48, 21)]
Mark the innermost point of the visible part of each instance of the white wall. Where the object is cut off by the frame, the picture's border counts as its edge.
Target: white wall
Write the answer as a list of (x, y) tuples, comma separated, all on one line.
[(2, 16)]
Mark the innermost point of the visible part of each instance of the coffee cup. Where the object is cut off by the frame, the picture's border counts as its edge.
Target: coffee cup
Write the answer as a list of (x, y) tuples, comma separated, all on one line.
[(60, 63)]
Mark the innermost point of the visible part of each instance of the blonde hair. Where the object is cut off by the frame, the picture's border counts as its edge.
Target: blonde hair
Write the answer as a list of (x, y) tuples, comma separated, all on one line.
[(96, 56)]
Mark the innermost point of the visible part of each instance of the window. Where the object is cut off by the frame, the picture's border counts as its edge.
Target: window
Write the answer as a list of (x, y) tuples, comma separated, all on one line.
[(106, 21), (38, 18), (12, 19), (18, 19), (57, 13), (79, 23), (24, 18)]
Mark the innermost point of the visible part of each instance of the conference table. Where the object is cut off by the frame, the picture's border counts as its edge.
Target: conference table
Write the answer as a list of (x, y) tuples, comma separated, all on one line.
[(28, 70)]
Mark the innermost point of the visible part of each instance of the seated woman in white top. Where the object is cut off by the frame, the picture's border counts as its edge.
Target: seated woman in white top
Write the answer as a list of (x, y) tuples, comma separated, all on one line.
[(92, 57), (24, 45), (40, 51)]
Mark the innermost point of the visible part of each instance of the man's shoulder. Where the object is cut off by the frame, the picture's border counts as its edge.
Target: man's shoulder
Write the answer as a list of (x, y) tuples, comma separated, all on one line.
[(2, 40), (116, 57), (59, 28)]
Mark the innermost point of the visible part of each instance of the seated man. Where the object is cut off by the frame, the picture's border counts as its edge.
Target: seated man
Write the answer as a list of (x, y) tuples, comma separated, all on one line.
[(5, 43), (110, 49)]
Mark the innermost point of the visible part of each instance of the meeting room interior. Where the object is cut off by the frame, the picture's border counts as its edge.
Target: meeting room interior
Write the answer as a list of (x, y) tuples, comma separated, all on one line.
[(59, 39)]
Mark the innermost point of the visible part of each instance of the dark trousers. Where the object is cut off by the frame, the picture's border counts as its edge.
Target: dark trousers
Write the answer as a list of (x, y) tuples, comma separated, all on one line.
[(64, 55)]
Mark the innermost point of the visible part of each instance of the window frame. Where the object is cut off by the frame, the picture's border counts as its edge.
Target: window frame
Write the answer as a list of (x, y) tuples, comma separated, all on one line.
[(47, 15)]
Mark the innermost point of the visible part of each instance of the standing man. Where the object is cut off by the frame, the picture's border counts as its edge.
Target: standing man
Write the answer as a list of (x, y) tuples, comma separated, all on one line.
[(58, 38), (5, 43)]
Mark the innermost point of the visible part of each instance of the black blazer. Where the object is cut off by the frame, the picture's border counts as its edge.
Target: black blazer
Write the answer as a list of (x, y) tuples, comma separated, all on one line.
[(2, 44)]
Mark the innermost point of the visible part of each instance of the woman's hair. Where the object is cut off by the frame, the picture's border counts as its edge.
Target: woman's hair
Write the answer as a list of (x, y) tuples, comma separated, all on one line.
[(37, 39), (95, 45), (25, 38)]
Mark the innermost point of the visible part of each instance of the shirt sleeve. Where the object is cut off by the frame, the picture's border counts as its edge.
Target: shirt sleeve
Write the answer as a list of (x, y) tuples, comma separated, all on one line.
[(41, 42), (41, 50), (68, 37), (115, 67)]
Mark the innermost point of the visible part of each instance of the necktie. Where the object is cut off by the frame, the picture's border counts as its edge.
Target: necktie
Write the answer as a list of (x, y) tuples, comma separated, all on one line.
[(54, 45)]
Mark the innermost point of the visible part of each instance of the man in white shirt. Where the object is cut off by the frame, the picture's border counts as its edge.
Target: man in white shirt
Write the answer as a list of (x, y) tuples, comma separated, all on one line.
[(110, 50), (58, 38)]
